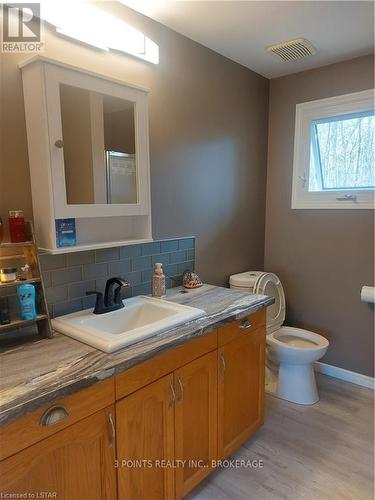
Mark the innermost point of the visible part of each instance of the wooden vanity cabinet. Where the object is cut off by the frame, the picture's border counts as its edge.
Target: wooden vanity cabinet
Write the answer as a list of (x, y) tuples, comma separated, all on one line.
[(145, 439), (75, 463), (241, 384), (167, 433), (175, 414), (195, 421)]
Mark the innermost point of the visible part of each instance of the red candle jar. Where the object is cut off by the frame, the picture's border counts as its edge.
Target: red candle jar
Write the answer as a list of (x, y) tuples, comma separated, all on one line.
[(17, 227)]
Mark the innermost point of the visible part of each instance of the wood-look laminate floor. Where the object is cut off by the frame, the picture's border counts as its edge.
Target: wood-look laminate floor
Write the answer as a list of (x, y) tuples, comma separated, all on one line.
[(321, 452)]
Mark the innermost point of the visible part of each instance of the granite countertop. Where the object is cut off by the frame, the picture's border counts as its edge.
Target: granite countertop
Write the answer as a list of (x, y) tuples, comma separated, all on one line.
[(45, 370)]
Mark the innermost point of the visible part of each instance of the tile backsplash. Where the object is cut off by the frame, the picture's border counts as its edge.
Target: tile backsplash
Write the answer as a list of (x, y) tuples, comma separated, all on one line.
[(67, 277)]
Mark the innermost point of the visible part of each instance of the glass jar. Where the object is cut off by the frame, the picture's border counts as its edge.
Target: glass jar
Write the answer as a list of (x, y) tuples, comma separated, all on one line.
[(17, 227), (8, 274)]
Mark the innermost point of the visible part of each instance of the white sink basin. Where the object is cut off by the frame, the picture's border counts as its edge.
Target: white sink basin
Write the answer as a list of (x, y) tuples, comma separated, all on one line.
[(142, 317)]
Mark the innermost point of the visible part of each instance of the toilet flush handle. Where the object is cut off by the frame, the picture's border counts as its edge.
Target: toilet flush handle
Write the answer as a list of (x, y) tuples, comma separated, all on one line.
[(245, 324)]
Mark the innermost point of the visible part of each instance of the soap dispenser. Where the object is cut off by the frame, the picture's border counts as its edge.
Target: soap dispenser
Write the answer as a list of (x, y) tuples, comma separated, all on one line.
[(158, 281)]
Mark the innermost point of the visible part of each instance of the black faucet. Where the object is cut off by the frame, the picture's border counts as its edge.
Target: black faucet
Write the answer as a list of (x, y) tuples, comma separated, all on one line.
[(112, 297)]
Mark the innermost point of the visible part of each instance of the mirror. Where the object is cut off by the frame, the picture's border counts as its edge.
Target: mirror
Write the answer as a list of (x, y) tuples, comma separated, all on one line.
[(99, 147)]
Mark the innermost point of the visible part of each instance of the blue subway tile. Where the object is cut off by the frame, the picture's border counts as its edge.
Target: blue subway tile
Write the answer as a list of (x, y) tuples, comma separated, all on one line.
[(150, 248), (93, 271), (143, 289), (185, 266), (100, 284), (120, 268), (134, 278), (147, 275), (107, 254), (89, 301), (191, 254), (179, 256), (69, 306), (69, 275), (169, 246), (186, 244), (77, 290), (130, 251), (141, 263), (171, 270), (46, 276), (56, 294), (163, 258), (79, 258), (48, 261)]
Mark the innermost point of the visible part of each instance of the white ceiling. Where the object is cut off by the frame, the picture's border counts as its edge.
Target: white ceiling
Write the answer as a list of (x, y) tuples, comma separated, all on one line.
[(240, 30)]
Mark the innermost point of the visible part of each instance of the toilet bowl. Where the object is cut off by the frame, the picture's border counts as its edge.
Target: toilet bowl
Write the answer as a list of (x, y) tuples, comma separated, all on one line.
[(291, 352)]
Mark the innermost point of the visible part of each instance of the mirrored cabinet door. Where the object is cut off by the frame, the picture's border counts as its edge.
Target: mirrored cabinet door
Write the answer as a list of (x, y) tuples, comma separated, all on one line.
[(99, 145), (98, 135)]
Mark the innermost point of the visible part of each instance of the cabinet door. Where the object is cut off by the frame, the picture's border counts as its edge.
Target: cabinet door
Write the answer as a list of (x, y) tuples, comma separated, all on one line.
[(241, 390), (195, 421), (145, 438), (76, 463)]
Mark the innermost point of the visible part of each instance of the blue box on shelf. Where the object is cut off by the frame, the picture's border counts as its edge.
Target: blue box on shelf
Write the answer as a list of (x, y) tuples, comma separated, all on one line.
[(65, 232)]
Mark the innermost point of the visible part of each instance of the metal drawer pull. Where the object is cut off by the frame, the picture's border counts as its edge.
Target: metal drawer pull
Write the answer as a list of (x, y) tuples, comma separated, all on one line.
[(245, 324), (113, 430), (59, 143), (173, 394), (53, 415), (222, 365), (181, 390)]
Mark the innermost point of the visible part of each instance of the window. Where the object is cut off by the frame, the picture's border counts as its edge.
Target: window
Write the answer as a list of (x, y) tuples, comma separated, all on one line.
[(334, 153)]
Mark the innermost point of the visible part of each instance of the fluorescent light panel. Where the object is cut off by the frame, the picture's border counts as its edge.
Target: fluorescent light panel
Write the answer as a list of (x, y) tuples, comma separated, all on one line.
[(86, 23)]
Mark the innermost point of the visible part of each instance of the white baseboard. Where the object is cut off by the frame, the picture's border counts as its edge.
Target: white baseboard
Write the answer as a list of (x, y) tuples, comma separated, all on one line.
[(347, 375)]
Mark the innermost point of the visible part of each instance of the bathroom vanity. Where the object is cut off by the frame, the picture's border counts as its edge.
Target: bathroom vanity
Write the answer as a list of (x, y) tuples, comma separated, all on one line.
[(146, 422)]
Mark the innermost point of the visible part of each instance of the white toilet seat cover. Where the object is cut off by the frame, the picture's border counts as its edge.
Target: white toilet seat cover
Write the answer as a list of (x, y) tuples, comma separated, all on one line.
[(269, 284)]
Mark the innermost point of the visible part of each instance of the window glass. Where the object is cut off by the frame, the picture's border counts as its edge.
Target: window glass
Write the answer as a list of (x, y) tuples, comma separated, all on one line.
[(342, 152)]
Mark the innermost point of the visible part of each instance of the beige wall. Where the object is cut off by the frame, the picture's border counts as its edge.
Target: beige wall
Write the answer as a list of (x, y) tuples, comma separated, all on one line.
[(323, 257), (208, 142)]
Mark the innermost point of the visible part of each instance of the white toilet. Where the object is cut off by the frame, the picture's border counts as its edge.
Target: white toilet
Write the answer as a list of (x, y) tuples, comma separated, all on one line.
[(291, 352)]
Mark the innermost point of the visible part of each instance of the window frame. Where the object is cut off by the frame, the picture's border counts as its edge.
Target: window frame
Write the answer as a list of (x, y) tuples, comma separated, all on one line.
[(321, 109)]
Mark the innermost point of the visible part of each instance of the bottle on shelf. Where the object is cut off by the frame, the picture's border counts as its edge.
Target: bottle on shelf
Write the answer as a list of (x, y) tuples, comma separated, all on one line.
[(26, 299), (17, 226)]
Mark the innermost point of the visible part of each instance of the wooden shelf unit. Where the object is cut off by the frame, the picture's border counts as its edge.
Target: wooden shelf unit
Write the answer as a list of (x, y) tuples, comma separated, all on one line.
[(29, 256)]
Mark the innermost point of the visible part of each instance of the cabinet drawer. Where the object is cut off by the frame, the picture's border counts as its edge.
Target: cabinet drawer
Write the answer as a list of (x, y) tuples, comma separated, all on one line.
[(38, 425), (155, 368), (241, 327)]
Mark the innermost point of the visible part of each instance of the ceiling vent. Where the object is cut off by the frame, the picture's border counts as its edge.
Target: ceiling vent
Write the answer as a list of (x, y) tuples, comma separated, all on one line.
[(291, 50)]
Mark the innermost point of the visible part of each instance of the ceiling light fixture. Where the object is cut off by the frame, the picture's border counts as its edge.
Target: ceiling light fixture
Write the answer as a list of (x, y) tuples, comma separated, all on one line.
[(84, 22)]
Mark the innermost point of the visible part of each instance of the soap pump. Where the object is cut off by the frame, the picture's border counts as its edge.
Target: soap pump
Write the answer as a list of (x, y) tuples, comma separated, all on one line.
[(158, 281)]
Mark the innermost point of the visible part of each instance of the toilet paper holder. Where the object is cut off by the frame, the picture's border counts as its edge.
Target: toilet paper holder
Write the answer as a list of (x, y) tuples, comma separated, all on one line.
[(368, 294)]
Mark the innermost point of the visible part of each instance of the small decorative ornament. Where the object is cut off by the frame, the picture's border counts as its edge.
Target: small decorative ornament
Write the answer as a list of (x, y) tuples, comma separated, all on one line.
[(191, 280)]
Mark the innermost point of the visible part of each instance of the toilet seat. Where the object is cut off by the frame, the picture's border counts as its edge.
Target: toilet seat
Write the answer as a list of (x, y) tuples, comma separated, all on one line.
[(297, 339), (270, 284)]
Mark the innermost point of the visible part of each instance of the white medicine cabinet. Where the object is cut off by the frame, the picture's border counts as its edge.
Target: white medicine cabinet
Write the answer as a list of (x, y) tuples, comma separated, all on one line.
[(88, 150)]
